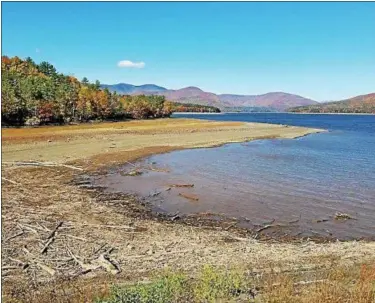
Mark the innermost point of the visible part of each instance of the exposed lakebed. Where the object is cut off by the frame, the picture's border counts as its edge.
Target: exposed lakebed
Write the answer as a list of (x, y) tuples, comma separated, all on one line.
[(298, 184)]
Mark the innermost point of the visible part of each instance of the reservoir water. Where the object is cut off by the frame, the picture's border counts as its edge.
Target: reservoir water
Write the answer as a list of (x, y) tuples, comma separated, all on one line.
[(306, 180)]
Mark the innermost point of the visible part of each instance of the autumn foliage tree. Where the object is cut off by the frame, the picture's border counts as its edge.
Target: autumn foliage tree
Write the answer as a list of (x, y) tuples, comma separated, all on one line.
[(34, 94)]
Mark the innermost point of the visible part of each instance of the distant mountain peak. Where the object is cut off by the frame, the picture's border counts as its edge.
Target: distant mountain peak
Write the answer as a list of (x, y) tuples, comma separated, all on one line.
[(192, 88), (192, 94), (128, 89)]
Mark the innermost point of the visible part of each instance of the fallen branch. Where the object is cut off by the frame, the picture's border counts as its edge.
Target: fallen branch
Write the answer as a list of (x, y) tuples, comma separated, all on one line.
[(268, 223), (20, 263), (53, 232), (10, 181), (48, 164), (265, 227), (237, 238), (49, 242), (189, 196), (230, 226), (106, 263), (15, 236), (9, 267), (295, 221), (342, 216), (112, 226), (51, 238), (22, 226), (99, 249), (74, 237), (46, 268), (181, 185), (86, 266)]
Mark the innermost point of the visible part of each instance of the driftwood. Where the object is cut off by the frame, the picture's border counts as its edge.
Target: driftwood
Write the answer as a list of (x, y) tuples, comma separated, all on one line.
[(25, 265), (10, 181), (52, 234), (102, 261), (85, 266), (268, 223), (112, 226), (265, 227), (175, 217), (342, 216), (46, 268), (106, 263), (48, 243), (189, 196), (230, 226), (24, 226), (271, 225), (181, 185), (15, 236), (48, 164), (51, 238), (295, 221), (20, 263), (75, 237)]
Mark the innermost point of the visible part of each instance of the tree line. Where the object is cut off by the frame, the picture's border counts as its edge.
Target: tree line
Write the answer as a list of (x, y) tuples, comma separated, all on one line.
[(360, 104), (196, 108), (35, 94)]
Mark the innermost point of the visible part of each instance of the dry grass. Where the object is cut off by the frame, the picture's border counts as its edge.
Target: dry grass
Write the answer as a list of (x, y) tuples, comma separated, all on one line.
[(350, 284), (354, 284), (55, 133)]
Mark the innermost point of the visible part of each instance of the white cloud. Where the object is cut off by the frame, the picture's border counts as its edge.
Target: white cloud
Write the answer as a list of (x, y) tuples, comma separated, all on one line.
[(130, 64), (37, 50)]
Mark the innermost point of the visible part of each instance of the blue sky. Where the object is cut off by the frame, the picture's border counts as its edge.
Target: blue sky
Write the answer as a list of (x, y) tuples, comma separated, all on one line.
[(324, 51)]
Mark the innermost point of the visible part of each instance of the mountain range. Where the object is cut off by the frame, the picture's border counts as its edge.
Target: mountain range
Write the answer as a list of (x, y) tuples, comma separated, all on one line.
[(277, 101)]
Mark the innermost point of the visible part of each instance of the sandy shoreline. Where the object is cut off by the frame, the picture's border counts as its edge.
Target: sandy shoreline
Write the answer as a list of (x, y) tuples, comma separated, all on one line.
[(80, 143), (37, 198)]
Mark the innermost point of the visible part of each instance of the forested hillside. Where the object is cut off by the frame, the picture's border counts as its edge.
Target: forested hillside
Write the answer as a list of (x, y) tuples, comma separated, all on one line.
[(194, 108), (35, 94), (359, 104)]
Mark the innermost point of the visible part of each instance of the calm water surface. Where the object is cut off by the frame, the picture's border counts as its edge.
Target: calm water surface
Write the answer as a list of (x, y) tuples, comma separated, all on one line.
[(309, 178)]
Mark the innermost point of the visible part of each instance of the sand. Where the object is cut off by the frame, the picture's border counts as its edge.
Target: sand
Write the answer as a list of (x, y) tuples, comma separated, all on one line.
[(69, 143)]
